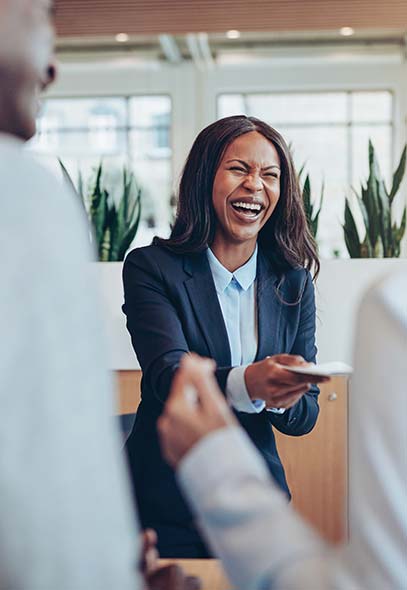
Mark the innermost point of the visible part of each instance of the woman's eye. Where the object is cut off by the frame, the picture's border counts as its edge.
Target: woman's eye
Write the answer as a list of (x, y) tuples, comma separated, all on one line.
[(272, 174), (237, 169)]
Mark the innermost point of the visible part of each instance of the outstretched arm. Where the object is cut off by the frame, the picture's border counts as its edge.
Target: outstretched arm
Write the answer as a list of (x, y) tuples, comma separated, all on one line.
[(154, 323)]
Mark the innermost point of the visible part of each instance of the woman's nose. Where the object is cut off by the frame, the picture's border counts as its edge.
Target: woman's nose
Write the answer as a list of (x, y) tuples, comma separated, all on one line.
[(253, 182)]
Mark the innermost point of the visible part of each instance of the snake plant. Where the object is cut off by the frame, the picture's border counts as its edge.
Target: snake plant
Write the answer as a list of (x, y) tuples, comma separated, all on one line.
[(383, 235), (312, 211), (114, 222)]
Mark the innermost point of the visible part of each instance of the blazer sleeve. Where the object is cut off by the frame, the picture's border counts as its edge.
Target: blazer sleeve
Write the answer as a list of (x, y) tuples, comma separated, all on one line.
[(154, 324), (302, 417)]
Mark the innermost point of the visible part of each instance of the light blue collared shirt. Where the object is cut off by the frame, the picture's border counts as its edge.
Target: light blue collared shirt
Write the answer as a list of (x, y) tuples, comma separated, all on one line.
[(237, 298)]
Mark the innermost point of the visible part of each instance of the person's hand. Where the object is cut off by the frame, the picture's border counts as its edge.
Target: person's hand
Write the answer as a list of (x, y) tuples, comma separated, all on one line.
[(279, 388), (172, 577), (149, 554), (168, 577), (188, 418)]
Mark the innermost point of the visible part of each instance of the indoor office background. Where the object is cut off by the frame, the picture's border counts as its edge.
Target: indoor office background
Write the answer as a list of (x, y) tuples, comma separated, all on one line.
[(139, 80), (141, 99)]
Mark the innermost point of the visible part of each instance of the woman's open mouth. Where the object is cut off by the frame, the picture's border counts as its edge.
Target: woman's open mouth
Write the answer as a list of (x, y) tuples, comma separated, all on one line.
[(247, 211)]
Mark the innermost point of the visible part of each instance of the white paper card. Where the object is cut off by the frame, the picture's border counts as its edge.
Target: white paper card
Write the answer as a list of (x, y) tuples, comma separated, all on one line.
[(324, 370)]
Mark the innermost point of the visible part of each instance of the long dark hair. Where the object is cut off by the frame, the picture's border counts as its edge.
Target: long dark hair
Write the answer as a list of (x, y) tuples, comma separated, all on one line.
[(285, 238)]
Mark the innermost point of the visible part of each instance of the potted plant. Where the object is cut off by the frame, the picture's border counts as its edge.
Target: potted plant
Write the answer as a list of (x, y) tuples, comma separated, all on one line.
[(114, 222), (342, 282), (383, 235)]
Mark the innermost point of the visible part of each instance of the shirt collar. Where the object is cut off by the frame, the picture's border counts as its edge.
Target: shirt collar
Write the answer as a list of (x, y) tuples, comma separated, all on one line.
[(245, 275)]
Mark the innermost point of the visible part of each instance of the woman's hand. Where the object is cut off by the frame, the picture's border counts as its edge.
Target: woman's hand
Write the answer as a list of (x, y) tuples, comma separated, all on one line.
[(270, 381)]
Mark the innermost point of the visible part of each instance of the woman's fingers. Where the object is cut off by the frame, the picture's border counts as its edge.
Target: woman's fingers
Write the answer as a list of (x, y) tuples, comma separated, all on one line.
[(288, 399), (289, 359), (278, 375), (280, 391)]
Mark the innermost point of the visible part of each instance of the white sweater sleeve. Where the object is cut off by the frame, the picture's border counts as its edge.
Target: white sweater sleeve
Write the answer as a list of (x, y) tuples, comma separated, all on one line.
[(258, 536)]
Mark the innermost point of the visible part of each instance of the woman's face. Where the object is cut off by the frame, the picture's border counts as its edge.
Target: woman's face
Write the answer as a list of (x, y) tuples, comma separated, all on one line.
[(246, 188)]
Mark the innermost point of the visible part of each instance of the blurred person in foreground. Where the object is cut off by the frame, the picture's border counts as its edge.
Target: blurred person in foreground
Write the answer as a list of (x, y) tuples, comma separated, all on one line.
[(263, 543), (66, 516)]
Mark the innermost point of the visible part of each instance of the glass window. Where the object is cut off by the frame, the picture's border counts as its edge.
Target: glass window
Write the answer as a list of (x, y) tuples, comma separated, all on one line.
[(116, 130), (296, 108)]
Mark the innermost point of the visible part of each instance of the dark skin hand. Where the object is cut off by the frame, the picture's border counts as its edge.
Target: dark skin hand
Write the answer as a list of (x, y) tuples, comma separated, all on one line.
[(270, 381), (187, 419)]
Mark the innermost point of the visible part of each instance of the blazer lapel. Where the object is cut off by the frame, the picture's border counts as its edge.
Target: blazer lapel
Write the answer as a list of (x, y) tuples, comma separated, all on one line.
[(269, 309), (204, 301)]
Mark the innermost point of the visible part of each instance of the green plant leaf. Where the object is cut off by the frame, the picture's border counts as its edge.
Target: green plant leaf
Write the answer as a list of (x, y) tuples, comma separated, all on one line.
[(398, 175), (129, 235), (351, 235), (398, 233), (385, 216), (371, 200), (382, 235), (115, 224), (312, 217)]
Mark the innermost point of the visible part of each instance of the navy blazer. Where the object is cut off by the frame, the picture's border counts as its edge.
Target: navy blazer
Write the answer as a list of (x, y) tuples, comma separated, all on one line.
[(172, 307)]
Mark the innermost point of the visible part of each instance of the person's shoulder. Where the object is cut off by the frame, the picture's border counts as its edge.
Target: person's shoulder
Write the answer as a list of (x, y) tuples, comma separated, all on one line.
[(36, 205), (17, 162), (154, 253), (155, 260), (26, 182)]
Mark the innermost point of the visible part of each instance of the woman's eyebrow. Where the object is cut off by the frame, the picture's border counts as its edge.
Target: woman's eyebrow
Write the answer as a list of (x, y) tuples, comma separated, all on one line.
[(240, 162), (248, 166)]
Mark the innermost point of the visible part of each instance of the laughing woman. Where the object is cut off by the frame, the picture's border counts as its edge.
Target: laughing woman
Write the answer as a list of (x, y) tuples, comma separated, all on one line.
[(231, 283)]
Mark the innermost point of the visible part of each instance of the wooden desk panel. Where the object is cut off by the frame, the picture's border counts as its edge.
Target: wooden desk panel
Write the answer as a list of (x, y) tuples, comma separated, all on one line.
[(317, 464)]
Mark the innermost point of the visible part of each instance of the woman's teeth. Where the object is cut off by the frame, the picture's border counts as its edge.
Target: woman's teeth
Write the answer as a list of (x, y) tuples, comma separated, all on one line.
[(249, 208)]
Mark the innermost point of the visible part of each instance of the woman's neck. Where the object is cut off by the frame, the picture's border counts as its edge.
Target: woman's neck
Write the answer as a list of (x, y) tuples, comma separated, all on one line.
[(232, 256)]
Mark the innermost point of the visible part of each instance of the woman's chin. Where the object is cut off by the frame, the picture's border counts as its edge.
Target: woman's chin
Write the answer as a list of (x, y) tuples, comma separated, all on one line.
[(241, 236)]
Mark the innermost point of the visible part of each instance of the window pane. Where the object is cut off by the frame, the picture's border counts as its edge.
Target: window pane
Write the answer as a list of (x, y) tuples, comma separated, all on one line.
[(80, 144), (372, 106), (230, 104), (323, 151), (118, 131), (84, 113), (150, 155), (280, 109), (152, 167), (150, 111)]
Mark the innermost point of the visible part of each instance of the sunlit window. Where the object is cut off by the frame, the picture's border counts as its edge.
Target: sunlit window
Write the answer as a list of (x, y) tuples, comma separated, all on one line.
[(132, 130)]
